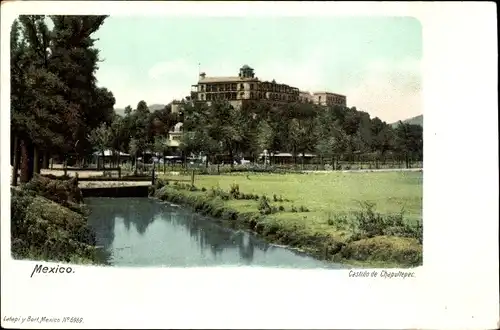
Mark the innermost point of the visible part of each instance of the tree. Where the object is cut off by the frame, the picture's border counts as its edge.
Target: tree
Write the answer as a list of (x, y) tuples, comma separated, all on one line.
[(409, 142), (134, 147), (74, 59), (55, 102), (38, 112), (100, 137), (161, 146), (382, 138)]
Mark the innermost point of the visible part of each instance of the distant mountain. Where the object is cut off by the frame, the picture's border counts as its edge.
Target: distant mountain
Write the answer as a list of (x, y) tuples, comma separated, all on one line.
[(418, 120), (153, 107), (120, 111)]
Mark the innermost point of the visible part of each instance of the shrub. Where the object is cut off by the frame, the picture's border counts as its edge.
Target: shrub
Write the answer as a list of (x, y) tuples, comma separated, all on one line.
[(44, 230), (281, 208), (235, 191), (293, 209), (64, 192), (203, 189), (383, 248), (264, 206), (275, 198), (368, 223), (303, 209), (218, 192)]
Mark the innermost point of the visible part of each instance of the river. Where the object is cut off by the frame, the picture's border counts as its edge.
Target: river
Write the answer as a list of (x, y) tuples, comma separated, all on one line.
[(142, 232)]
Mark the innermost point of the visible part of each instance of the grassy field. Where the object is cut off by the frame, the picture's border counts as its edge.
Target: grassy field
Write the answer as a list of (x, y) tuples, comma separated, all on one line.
[(326, 193), (315, 204)]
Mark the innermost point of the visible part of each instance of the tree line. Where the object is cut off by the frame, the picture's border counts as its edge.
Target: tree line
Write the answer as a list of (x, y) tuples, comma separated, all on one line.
[(58, 111), (55, 101), (140, 130), (333, 133)]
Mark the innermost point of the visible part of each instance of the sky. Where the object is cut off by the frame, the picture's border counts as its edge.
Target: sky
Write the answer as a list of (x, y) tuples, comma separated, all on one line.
[(375, 62)]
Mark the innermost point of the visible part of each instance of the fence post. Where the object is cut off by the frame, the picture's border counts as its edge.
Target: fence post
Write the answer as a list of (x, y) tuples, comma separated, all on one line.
[(192, 178), (119, 172)]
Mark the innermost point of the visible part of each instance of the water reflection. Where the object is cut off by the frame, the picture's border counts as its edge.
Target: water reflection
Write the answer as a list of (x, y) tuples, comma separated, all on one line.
[(170, 235)]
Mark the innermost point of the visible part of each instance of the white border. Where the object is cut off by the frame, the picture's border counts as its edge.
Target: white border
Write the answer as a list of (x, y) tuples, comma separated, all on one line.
[(456, 288)]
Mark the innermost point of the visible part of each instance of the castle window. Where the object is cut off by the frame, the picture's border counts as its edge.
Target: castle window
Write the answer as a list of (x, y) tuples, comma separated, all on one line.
[(242, 86)]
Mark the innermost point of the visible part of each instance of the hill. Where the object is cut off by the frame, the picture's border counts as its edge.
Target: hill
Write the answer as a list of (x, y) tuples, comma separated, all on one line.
[(417, 120), (152, 107)]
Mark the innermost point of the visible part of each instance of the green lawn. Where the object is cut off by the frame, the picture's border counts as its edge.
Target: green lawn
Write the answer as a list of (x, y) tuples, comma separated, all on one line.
[(326, 193)]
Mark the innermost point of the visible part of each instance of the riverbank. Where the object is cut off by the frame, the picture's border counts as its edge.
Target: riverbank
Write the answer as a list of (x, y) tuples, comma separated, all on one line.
[(49, 222), (376, 241)]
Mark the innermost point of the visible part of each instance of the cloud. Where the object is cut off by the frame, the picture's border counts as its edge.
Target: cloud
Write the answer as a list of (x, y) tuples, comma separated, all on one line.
[(162, 83), (390, 91), (305, 74), (176, 68)]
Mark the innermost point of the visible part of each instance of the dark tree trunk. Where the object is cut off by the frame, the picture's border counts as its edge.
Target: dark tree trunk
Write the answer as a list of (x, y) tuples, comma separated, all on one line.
[(36, 160), (303, 156), (12, 147), (45, 162), (231, 159), (135, 163), (26, 161), (16, 159), (206, 162)]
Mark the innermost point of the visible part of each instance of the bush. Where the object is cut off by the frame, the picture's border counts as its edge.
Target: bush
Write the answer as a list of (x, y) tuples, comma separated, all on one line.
[(235, 191), (63, 192), (203, 189), (367, 223), (44, 230), (293, 209), (383, 248), (303, 209), (264, 206), (218, 192), (281, 208)]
